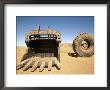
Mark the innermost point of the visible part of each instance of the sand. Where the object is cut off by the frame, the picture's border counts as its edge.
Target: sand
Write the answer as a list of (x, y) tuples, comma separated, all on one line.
[(69, 64)]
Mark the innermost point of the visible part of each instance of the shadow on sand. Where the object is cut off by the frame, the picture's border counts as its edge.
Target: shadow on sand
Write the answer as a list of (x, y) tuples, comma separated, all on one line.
[(73, 55)]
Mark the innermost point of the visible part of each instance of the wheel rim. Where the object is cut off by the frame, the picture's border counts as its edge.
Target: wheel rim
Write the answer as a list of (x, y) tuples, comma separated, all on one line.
[(85, 45)]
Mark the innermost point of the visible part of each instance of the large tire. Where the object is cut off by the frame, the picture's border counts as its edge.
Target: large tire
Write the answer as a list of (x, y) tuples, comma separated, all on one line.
[(83, 45)]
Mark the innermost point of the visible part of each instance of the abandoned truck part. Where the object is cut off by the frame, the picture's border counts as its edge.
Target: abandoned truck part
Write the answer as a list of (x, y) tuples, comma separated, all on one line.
[(42, 50), (83, 45), (38, 62)]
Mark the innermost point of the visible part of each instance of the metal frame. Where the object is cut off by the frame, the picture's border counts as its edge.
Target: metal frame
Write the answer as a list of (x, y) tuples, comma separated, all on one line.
[(2, 49)]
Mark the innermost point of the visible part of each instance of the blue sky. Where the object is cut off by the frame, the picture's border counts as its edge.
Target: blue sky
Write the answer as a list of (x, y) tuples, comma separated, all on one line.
[(68, 26)]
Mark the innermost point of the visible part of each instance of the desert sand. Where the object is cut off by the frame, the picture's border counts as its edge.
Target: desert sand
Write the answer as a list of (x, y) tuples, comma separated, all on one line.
[(69, 64)]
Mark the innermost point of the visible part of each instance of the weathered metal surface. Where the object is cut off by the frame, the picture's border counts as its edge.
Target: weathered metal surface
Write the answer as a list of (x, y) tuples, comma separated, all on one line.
[(43, 43), (42, 35), (42, 50)]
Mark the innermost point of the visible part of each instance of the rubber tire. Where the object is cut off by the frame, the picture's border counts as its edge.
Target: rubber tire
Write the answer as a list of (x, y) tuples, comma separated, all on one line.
[(77, 45)]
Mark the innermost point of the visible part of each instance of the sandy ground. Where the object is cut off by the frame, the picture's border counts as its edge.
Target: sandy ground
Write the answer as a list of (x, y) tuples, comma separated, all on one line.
[(69, 64)]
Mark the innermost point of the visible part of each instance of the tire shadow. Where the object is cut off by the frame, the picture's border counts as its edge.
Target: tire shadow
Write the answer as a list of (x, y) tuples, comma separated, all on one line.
[(73, 55)]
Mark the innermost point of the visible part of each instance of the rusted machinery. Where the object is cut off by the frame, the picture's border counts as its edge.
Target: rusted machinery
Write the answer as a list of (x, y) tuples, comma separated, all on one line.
[(43, 50)]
